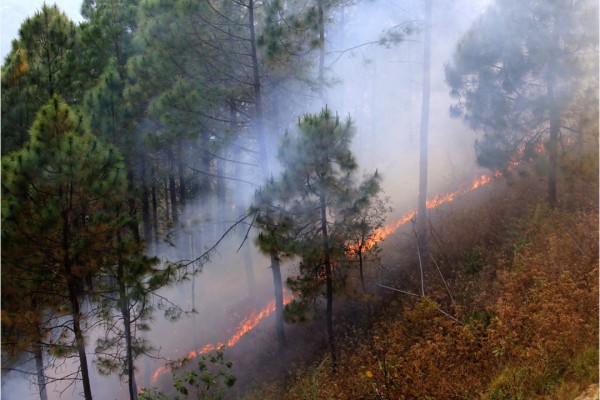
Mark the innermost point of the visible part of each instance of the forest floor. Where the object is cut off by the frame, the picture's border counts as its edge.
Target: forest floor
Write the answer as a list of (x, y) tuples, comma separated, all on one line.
[(510, 311), (591, 393)]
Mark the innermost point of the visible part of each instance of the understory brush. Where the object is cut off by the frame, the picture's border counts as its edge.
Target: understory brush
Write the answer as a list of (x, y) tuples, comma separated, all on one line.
[(513, 314)]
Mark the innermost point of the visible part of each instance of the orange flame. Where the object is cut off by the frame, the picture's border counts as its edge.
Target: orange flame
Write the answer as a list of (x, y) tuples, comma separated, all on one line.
[(249, 323), (383, 232)]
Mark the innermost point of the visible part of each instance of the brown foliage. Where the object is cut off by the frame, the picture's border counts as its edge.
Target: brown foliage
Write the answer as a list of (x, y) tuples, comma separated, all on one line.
[(524, 323)]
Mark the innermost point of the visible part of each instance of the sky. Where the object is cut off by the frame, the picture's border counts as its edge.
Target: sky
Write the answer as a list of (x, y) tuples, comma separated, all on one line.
[(14, 12)]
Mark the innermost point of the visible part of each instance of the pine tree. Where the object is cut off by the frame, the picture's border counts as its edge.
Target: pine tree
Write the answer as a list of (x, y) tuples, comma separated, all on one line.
[(303, 211), (177, 74), (129, 286), (515, 74), (275, 240), (43, 62), (424, 134), (362, 213), (59, 196), (127, 291)]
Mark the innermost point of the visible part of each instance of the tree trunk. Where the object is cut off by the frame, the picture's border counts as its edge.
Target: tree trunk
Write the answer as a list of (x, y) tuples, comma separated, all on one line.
[(259, 117), (321, 24), (276, 269), (154, 207), (206, 228), (221, 197), (554, 115), (166, 197), (79, 340), (553, 157), (181, 174), (39, 366), (73, 293), (193, 257), (132, 203), (328, 282), (124, 305), (360, 269), (424, 134), (173, 195), (147, 225)]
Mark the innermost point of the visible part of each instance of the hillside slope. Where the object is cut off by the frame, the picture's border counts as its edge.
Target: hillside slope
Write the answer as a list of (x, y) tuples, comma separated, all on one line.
[(514, 317)]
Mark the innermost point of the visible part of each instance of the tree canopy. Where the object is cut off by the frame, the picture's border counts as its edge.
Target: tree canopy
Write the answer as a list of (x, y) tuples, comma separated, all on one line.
[(313, 210), (60, 199), (515, 74)]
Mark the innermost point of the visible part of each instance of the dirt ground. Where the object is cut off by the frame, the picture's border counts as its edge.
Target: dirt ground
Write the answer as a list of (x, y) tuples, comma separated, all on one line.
[(591, 393)]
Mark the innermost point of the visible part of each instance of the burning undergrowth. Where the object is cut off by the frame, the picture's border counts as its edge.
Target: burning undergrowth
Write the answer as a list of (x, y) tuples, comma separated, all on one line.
[(483, 251), (251, 320), (247, 335)]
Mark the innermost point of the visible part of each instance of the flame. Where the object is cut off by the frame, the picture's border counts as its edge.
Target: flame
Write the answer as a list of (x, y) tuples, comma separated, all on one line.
[(383, 232), (249, 323), (159, 371)]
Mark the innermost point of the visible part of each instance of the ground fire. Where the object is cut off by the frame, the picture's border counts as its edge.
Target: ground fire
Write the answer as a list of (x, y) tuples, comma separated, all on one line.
[(254, 318), (383, 232), (249, 323)]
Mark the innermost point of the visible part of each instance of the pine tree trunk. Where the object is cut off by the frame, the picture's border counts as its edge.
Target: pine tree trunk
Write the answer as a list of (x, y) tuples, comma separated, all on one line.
[(181, 174), (554, 124), (221, 196), (173, 195), (259, 117), (276, 269), (328, 282), (79, 340), (166, 197), (73, 293), (553, 158), (424, 134), (132, 203), (193, 257), (154, 206), (39, 366), (321, 24), (147, 226), (124, 305), (207, 230), (360, 269)]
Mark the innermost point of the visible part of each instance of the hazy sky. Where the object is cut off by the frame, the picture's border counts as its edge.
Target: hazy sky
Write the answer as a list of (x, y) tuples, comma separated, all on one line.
[(14, 12)]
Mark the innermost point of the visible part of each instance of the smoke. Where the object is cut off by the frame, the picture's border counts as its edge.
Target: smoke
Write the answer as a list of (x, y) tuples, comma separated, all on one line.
[(15, 386), (380, 88)]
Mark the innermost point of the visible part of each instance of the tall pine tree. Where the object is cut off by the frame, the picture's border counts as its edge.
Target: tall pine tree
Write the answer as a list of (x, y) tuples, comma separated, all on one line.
[(515, 74), (312, 199), (43, 62), (59, 197)]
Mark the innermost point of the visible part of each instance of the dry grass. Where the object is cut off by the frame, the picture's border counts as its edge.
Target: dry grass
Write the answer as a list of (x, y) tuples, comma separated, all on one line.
[(514, 317)]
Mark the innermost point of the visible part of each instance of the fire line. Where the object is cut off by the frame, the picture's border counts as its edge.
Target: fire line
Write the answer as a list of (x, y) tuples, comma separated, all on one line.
[(249, 323), (383, 232), (254, 318)]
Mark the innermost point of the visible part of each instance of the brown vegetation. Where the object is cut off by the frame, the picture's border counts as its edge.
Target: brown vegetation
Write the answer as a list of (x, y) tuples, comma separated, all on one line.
[(514, 317)]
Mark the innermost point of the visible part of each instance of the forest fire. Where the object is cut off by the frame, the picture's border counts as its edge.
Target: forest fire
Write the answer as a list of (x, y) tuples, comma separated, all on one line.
[(252, 320), (383, 232), (249, 323)]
